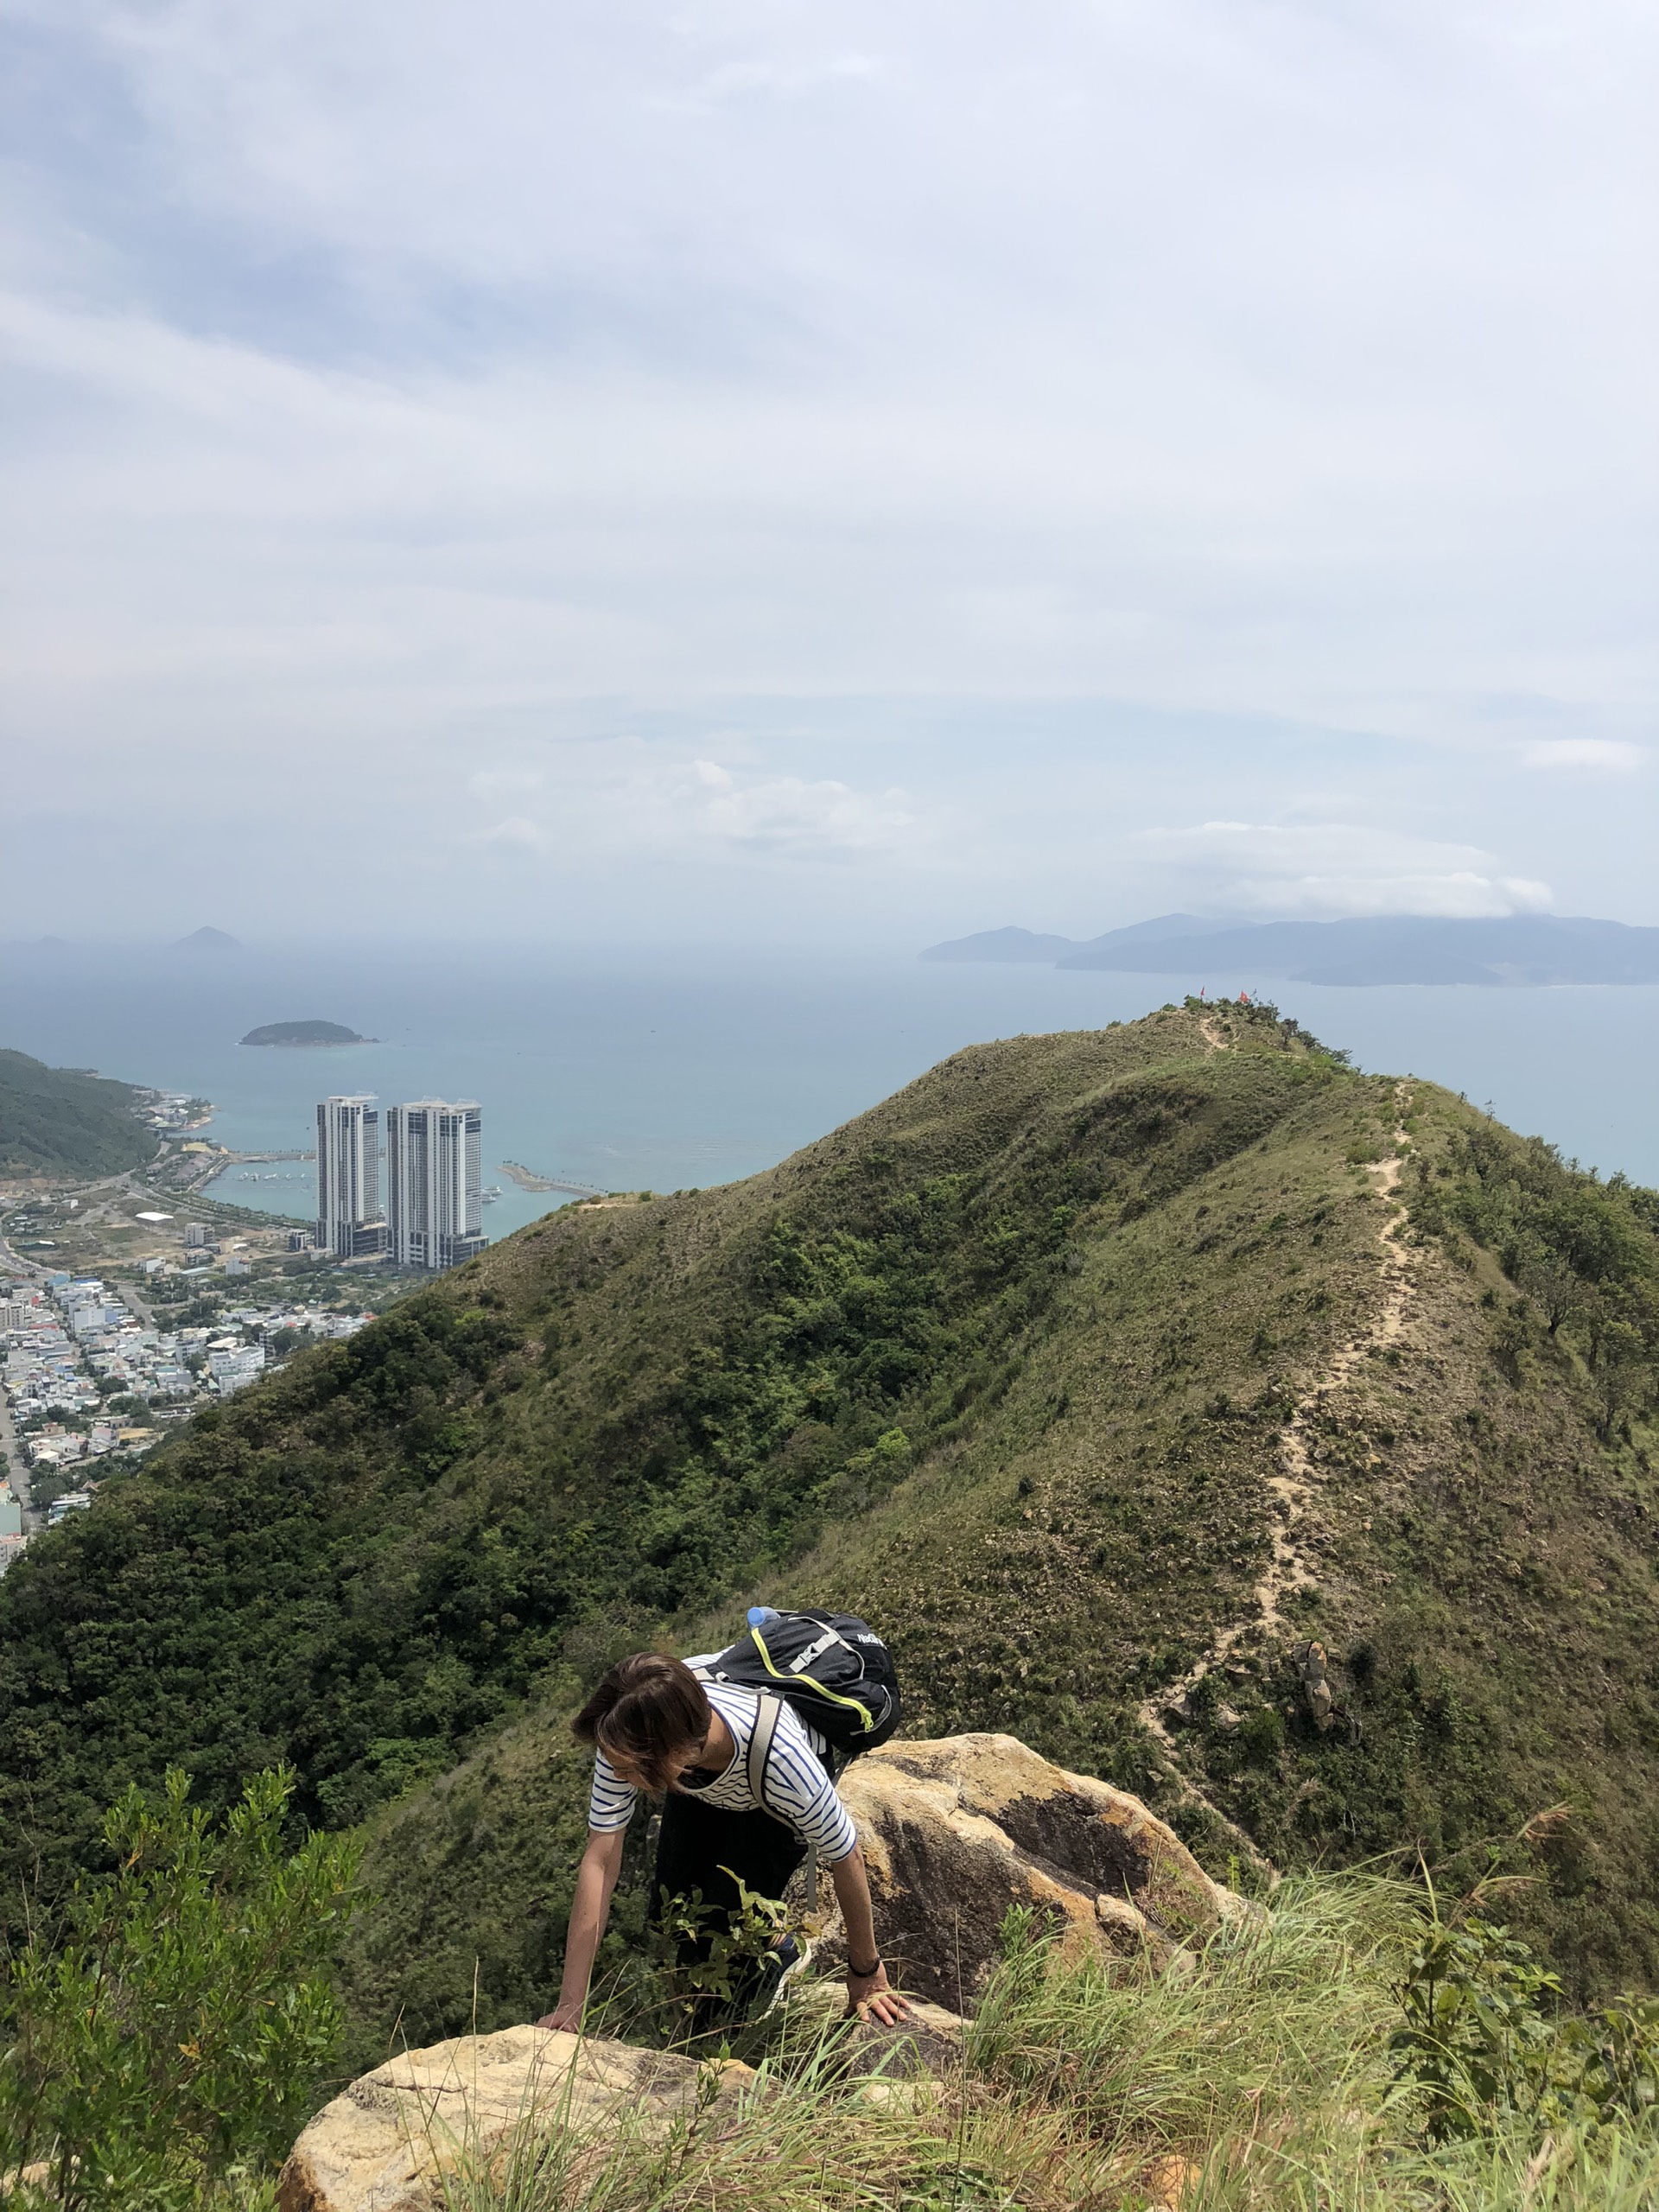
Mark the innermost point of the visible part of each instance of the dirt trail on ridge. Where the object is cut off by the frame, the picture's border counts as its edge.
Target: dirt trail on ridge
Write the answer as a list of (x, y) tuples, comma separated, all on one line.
[(1292, 1490)]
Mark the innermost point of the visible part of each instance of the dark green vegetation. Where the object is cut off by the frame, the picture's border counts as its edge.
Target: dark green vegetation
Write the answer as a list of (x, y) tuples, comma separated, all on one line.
[(1006, 1363), (63, 1121), (171, 2044), (304, 1032)]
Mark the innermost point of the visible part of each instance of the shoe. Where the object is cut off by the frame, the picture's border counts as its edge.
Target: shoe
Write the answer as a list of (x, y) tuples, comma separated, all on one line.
[(783, 1960)]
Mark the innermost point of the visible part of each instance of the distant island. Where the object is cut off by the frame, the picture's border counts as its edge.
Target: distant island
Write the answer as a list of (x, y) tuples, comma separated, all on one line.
[(1511, 949), (207, 940), (304, 1032)]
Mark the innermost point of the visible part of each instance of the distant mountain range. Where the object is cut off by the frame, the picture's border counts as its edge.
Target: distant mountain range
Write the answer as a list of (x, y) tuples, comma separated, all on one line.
[(1512, 949)]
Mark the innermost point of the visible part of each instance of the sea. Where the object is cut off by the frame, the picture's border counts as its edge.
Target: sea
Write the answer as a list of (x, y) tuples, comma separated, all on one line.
[(668, 1068)]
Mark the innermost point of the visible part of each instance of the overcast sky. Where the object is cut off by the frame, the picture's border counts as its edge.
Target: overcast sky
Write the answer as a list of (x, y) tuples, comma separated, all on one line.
[(592, 467)]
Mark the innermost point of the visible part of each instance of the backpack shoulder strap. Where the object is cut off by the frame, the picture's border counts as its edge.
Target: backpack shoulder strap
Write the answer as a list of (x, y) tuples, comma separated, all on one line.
[(765, 1727)]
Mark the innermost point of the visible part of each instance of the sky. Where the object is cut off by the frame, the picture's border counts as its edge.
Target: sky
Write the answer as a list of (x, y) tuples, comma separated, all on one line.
[(740, 469)]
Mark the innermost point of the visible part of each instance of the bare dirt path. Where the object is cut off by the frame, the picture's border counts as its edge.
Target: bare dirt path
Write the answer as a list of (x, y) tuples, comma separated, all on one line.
[(1291, 1489)]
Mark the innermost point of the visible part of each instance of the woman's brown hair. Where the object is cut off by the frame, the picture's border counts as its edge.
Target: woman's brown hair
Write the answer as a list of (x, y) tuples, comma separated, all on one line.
[(650, 1710)]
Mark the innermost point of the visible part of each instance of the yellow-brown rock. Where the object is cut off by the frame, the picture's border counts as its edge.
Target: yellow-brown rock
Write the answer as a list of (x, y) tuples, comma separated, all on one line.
[(470, 2104), (957, 1829)]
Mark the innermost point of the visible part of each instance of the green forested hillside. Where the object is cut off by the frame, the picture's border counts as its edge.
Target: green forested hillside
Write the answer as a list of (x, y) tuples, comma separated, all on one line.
[(1017, 1363), (60, 1122)]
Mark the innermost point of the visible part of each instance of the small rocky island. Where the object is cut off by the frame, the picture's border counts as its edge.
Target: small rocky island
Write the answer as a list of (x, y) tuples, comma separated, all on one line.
[(304, 1032)]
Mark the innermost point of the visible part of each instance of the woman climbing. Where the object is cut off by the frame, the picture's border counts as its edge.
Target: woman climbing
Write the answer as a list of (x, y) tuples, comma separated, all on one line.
[(747, 1790)]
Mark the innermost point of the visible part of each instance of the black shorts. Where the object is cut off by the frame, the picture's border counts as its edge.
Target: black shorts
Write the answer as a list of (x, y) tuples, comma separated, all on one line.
[(697, 1846)]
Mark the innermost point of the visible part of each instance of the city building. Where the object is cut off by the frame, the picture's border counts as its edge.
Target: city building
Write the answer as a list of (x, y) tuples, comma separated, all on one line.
[(349, 1225), (197, 1235), (232, 1367), (434, 1180)]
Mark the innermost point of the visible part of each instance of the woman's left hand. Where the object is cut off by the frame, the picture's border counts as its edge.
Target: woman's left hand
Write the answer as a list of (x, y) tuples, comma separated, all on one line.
[(872, 1998)]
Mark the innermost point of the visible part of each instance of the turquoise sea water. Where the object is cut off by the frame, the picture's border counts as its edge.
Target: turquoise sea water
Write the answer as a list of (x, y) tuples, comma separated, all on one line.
[(663, 1069)]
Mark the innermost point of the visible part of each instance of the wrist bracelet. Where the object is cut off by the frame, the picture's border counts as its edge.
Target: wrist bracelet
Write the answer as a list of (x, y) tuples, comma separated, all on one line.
[(864, 1973)]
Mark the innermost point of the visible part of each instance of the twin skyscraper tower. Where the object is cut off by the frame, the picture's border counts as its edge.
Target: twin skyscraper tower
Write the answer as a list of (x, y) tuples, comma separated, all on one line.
[(434, 1181)]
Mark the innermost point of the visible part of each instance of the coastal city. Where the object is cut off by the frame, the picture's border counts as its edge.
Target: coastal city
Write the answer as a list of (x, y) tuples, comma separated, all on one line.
[(128, 1304)]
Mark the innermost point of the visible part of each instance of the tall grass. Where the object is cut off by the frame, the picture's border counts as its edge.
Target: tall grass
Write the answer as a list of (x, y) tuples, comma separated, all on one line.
[(1255, 2075)]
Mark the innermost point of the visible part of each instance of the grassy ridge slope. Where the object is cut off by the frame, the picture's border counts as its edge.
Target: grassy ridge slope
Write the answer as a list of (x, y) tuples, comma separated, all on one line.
[(61, 1121), (1009, 1364)]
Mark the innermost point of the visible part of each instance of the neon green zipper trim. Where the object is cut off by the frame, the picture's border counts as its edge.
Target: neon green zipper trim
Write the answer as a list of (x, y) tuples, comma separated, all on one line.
[(834, 1696)]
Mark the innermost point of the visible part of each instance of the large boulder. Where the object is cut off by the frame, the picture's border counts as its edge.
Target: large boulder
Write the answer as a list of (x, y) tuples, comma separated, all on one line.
[(956, 1830), (386, 2144)]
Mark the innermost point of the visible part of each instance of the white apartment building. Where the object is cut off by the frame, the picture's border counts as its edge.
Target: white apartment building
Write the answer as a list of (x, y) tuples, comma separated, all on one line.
[(434, 1179), (349, 1220)]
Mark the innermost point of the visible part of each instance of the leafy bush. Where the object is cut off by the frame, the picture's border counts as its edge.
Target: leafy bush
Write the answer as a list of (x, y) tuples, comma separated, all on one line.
[(174, 2039), (1483, 2049), (693, 1985)]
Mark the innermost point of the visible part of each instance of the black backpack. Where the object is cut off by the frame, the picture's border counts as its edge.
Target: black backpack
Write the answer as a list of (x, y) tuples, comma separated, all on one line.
[(832, 1667)]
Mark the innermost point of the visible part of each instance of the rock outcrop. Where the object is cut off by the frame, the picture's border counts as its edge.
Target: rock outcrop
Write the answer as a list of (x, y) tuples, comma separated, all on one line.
[(956, 1830), (385, 2144)]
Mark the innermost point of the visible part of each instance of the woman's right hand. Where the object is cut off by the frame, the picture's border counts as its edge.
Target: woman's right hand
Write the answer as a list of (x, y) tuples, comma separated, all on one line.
[(566, 2014)]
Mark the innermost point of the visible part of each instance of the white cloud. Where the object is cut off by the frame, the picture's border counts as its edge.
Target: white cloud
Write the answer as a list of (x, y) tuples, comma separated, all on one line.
[(775, 815), (504, 783), (516, 835), (618, 804), (1595, 752), (1336, 869), (1201, 356), (740, 80)]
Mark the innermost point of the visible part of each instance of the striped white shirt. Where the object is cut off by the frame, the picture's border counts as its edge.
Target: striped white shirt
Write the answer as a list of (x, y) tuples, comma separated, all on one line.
[(794, 1787)]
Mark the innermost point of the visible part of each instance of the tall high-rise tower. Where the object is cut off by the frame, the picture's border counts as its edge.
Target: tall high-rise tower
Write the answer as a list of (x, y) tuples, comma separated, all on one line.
[(434, 1171), (349, 1222)]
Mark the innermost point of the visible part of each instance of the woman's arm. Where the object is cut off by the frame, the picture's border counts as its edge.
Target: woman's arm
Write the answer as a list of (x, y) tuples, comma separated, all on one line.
[(869, 1993), (590, 1911)]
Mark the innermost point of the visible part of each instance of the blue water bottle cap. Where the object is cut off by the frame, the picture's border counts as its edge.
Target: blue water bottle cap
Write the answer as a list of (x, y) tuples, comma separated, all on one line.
[(760, 1615)]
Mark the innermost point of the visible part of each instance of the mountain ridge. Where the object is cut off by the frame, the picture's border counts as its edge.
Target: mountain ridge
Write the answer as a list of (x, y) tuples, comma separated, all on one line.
[(65, 1121), (1012, 1363)]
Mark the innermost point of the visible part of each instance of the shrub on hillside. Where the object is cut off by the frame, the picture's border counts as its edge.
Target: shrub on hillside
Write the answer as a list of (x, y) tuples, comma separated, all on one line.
[(1485, 2049), (170, 2045)]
